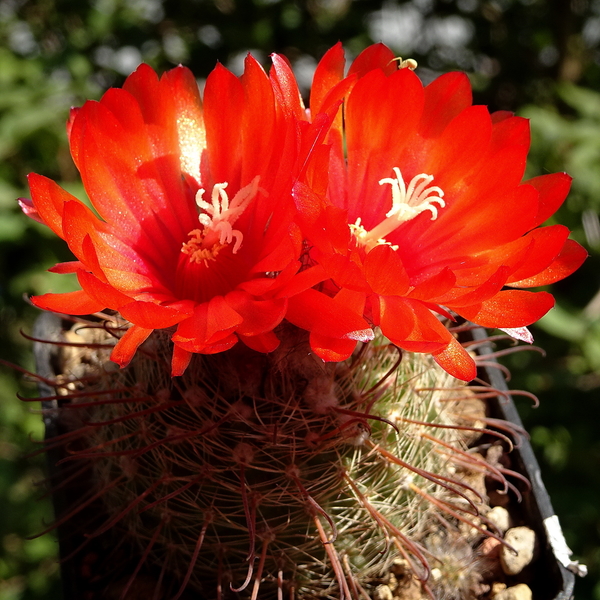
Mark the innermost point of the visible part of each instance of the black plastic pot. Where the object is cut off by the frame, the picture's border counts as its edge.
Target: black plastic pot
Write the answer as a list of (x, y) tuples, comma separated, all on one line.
[(554, 569), (551, 576)]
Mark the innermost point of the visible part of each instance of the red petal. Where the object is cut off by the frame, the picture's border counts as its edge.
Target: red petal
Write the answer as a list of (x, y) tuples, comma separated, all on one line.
[(152, 316), (509, 309), (435, 286), (331, 349), (67, 267), (313, 171), (385, 272), (315, 312), (220, 345), (329, 85), (376, 56), (49, 199), (454, 359), (180, 361), (286, 88), (171, 127), (264, 342), (445, 98), (69, 303), (258, 125), (526, 256), (312, 155), (220, 318), (72, 114), (571, 257), (344, 272), (411, 325), (436, 308), (459, 297), (131, 172), (89, 257), (302, 281), (223, 117), (353, 300), (101, 292), (78, 223), (212, 322), (553, 190), (500, 115), (323, 225), (217, 345), (180, 85), (328, 73), (126, 347), (130, 282), (142, 84), (459, 151), (463, 169), (282, 250), (395, 318), (106, 256), (513, 135), (545, 243), (260, 316)]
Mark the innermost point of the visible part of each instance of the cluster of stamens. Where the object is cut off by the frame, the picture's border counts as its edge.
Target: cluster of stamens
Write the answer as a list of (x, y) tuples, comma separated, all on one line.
[(217, 219), (407, 203)]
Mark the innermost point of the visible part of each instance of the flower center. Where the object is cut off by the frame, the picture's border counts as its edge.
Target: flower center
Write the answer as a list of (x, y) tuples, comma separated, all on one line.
[(407, 203), (217, 219)]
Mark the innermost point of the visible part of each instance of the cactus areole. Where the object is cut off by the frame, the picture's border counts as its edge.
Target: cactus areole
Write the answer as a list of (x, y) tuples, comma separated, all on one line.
[(281, 289)]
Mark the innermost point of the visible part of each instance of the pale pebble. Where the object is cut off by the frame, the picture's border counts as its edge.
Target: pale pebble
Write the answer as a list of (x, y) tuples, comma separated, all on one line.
[(516, 592), (522, 539)]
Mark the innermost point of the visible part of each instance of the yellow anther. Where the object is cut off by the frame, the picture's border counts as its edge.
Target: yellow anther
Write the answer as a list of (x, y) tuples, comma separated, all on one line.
[(217, 218)]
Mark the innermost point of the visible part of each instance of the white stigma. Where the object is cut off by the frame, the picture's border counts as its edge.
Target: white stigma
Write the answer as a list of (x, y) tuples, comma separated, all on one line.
[(221, 214), (409, 63), (407, 203)]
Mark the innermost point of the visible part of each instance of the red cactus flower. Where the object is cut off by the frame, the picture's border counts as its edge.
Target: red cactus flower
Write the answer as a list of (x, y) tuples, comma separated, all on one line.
[(425, 211), (195, 225)]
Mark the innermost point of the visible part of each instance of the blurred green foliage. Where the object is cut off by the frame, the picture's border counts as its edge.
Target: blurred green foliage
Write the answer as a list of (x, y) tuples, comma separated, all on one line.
[(27, 567), (566, 136), (539, 58)]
